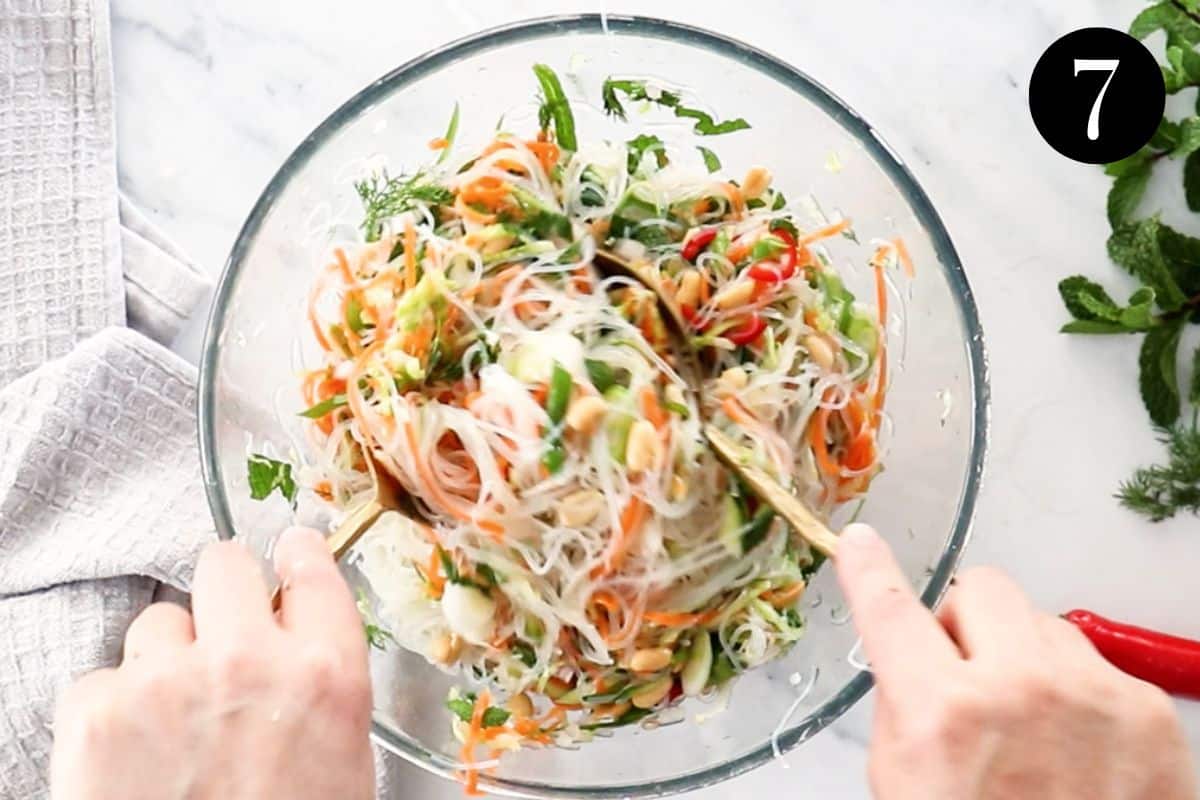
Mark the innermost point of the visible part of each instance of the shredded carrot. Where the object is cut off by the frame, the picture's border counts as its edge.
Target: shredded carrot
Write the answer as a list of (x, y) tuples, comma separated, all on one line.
[(737, 412), (324, 489), (547, 154), (705, 289), (818, 430), (736, 199), (539, 392), (905, 259), (785, 596), (496, 145), (452, 506), (486, 190), (468, 213), (607, 600), (652, 410), (410, 256), (439, 143), (433, 574), (679, 619), (508, 165), (623, 538), (823, 233), (344, 266), (740, 249), (474, 736), (881, 302)]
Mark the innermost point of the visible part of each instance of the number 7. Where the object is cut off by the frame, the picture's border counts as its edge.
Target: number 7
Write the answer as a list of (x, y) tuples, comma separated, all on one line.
[(1108, 65)]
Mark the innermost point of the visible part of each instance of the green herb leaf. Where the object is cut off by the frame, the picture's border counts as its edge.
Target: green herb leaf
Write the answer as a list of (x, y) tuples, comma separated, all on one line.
[(1166, 137), (494, 717), (638, 146), (448, 566), (489, 575), (524, 652), (265, 475), (451, 134), (462, 707), (555, 106), (636, 90), (1191, 180), (711, 162), (1189, 133), (1095, 326), (1157, 374), (678, 408), (1086, 299), (324, 407), (1164, 490), (559, 394), (1136, 248), (1137, 159), (601, 374), (377, 636), (1126, 192), (1194, 394), (354, 319), (383, 197), (1182, 256), (767, 247)]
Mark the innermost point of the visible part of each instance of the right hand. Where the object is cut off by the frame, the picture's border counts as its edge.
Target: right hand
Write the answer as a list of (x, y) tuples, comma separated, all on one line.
[(992, 699)]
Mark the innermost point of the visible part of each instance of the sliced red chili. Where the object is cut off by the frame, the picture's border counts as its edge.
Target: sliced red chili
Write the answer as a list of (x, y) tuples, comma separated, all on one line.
[(698, 241), (749, 330), (776, 270), (695, 319)]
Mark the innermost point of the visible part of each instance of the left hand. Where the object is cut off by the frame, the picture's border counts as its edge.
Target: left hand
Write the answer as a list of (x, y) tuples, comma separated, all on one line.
[(230, 702)]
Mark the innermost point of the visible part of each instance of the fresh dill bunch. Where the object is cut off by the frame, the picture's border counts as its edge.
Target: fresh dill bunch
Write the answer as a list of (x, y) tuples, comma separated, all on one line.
[(383, 196), (1164, 490)]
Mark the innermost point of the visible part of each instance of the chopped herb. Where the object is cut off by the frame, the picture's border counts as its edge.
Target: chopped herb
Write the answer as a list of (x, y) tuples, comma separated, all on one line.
[(462, 707), (494, 717), (636, 90), (265, 475), (488, 574), (639, 145), (767, 247), (1164, 490), (555, 107), (354, 320), (782, 224), (451, 133), (383, 197), (600, 373), (678, 408), (524, 652), (711, 162), (377, 635), (324, 407)]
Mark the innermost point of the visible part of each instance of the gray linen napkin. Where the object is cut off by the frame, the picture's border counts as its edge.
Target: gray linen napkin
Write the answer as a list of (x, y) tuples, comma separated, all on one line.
[(100, 494), (101, 504)]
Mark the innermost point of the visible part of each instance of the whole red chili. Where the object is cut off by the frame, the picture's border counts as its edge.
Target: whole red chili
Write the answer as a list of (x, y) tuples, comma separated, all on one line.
[(700, 240), (776, 271), (749, 330), (1169, 662)]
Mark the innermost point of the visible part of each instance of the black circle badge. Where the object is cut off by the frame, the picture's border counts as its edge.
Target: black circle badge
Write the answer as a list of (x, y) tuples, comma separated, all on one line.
[(1096, 95)]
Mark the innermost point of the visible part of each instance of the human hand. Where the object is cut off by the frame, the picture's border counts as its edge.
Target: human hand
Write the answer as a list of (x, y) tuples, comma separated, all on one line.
[(229, 702), (993, 699)]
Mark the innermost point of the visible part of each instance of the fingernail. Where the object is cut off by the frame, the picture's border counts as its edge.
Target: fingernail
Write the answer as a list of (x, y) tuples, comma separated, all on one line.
[(291, 535), (858, 534)]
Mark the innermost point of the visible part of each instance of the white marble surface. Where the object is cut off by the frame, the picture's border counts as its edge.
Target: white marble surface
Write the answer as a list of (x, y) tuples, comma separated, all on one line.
[(213, 94)]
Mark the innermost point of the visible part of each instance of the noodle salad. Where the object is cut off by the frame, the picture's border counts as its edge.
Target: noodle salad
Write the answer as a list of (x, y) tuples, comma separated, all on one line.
[(579, 554)]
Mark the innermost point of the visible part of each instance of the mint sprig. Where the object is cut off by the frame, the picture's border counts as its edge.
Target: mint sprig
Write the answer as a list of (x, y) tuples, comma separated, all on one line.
[(1166, 264)]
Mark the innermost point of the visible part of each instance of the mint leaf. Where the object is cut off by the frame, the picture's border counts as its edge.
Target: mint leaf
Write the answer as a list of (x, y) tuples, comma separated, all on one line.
[(1157, 375), (324, 407), (1086, 299), (1152, 19), (1093, 326), (1182, 256), (462, 707), (1136, 248), (1139, 314), (1166, 136), (265, 475), (711, 162), (1142, 156), (1191, 180), (1126, 192), (1194, 394), (704, 124), (494, 717), (638, 146), (1189, 131)]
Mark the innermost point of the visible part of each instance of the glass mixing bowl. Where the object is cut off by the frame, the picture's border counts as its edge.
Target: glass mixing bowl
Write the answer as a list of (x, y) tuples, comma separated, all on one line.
[(813, 143)]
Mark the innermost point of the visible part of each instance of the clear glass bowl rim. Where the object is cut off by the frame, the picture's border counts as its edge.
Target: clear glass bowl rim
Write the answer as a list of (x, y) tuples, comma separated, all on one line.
[(788, 76)]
